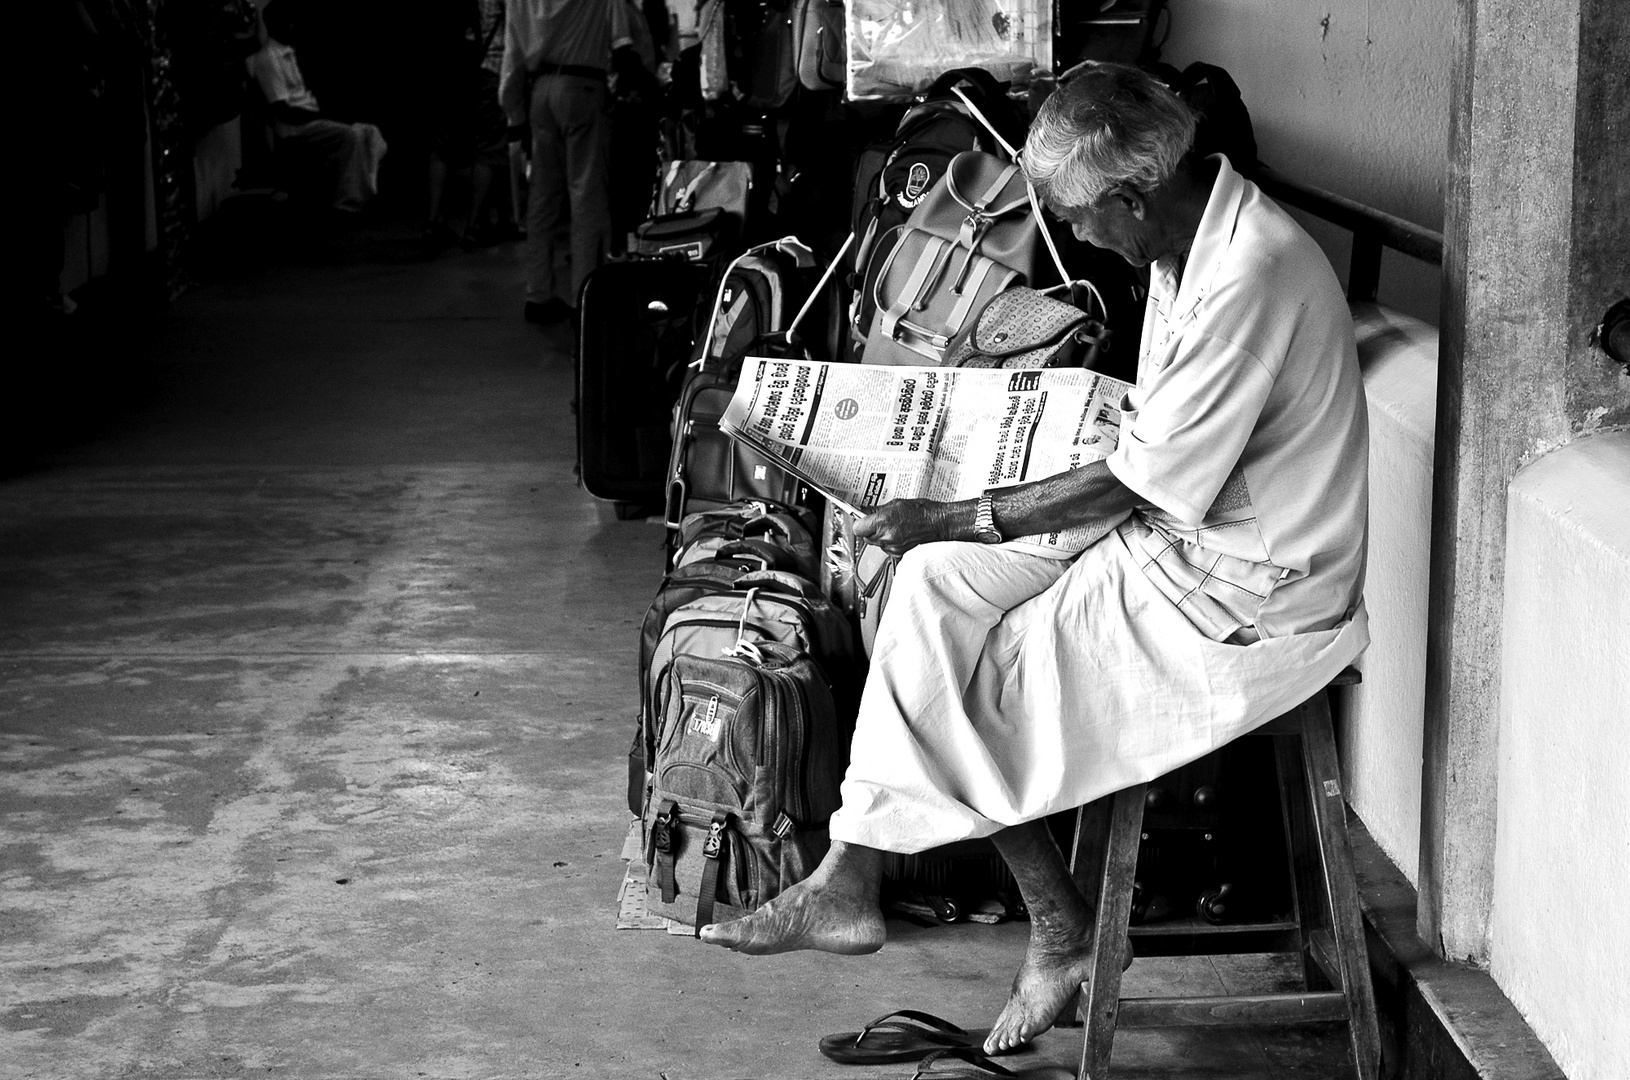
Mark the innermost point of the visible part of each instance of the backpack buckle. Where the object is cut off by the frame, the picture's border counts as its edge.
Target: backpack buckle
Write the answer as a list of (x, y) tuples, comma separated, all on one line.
[(783, 827), (714, 844), (662, 830)]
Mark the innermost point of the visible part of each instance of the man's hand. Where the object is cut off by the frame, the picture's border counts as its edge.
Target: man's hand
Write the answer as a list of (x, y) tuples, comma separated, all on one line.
[(901, 525), (1087, 496)]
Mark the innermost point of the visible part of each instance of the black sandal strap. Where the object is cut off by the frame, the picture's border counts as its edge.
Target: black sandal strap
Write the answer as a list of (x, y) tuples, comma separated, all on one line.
[(935, 1025), (970, 1054)]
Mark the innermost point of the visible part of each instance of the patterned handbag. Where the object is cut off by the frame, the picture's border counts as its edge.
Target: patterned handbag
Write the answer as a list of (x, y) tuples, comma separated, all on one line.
[(1022, 328)]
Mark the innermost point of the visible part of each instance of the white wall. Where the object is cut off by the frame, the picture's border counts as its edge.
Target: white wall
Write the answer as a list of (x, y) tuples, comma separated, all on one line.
[(1346, 95), (1381, 729), (1560, 930)]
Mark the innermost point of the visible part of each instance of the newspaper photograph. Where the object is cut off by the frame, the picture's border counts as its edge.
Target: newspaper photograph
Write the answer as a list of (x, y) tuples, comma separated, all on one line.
[(866, 434)]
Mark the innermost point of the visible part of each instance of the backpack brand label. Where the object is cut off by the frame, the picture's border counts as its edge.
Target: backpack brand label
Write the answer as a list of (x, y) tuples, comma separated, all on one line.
[(917, 184), (706, 724)]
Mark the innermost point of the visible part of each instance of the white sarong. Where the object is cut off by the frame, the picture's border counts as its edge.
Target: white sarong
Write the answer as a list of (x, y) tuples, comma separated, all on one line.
[(1007, 686)]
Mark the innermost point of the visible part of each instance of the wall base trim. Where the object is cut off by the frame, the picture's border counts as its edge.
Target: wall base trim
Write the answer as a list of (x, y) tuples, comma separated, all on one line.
[(1439, 1020)]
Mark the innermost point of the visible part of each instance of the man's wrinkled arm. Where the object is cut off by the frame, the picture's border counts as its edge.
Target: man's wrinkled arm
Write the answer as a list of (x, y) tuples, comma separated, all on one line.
[(1084, 496)]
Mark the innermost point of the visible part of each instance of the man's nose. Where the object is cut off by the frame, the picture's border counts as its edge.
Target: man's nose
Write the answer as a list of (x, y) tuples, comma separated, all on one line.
[(1079, 228)]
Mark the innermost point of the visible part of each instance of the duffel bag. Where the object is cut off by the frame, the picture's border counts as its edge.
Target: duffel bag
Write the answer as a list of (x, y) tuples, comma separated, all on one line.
[(754, 524), (692, 234), (700, 185)]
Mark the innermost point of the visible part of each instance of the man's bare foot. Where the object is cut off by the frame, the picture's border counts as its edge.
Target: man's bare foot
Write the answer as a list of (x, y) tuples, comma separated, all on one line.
[(1053, 970), (814, 914)]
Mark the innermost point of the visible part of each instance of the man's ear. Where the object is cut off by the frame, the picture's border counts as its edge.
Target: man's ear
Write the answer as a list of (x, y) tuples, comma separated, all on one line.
[(1132, 199)]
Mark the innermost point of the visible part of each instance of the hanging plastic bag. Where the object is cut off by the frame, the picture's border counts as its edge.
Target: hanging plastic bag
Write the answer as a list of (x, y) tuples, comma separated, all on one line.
[(898, 47)]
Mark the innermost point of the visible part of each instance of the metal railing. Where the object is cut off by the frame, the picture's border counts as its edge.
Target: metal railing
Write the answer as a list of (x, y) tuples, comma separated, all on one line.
[(1372, 230)]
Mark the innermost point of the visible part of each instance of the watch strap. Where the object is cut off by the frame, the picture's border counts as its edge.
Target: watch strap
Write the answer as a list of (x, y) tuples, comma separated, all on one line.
[(984, 520)]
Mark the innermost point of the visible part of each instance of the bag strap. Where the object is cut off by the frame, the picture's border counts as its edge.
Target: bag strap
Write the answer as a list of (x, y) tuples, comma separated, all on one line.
[(741, 624), (1070, 287), (970, 292), (688, 192), (927, 262), (662, 840), (820, 285), (712, 871), (985, 122), (1047, 237)]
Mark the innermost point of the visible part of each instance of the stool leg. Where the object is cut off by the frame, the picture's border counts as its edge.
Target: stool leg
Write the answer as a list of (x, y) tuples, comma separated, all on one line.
[(1302, 853), (1086, 867), (1101, 993), (1340, 886)]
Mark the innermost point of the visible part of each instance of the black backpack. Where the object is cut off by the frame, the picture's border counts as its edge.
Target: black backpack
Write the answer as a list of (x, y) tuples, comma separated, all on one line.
[(893, 176), (1225, 122)]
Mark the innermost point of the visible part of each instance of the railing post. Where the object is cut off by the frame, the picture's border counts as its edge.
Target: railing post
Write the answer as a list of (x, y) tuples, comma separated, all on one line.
[(1364, 268)]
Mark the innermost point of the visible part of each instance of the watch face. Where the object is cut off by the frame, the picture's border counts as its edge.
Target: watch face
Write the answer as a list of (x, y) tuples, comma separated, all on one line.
[(988, 536)]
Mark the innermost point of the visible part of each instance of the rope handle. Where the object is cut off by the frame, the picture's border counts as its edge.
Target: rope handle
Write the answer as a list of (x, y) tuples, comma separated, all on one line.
[(984, 121), (1047, 235)]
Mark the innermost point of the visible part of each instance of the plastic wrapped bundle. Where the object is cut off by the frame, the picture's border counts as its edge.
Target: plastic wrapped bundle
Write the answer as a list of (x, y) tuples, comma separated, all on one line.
[(898, 47)]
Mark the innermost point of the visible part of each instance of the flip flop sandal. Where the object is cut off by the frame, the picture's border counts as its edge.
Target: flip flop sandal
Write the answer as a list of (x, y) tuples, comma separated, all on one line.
[(974, 1064), (887, 1040)]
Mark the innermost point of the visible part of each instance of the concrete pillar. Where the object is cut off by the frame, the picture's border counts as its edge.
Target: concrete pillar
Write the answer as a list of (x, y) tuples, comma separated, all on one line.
[(1537, 245)]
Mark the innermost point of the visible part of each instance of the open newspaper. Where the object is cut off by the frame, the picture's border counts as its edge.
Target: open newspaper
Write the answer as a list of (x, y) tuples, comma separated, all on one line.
[(866, 434)]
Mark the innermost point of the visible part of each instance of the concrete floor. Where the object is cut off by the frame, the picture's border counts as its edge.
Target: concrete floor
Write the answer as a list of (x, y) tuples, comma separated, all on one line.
[(316, 680)]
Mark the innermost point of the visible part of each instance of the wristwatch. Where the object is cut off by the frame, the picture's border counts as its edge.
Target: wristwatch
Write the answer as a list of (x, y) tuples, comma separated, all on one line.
[(984, 520)]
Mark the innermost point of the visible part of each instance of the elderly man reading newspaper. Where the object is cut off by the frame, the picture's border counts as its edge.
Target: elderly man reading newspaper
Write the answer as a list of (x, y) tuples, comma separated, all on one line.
[(1226, 588)]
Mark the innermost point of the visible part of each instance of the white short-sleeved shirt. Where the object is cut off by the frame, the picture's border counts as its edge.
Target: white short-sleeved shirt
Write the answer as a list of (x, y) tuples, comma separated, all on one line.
[(1247, 432), (580, 33), (278, 73)]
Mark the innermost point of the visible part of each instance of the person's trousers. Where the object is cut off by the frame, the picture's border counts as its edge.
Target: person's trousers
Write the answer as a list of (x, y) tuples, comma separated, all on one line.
[(568, 211), (340, 161)]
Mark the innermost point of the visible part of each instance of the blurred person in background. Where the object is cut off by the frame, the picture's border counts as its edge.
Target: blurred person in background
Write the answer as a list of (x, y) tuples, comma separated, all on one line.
[(336, 161), (557, 56), (466, 124)]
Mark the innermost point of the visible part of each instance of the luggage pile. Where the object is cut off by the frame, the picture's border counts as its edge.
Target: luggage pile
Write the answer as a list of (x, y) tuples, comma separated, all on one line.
[(753, 652)]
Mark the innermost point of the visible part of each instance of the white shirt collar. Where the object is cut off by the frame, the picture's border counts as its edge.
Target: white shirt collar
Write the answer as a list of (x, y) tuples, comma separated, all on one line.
[(1211, 241)]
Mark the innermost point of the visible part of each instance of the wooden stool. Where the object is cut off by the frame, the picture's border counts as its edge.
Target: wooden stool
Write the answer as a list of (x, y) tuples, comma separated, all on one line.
[(1327, 931)]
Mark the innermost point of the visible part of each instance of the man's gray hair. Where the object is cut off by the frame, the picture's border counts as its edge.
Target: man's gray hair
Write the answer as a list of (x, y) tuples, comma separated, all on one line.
[(1106, 124)]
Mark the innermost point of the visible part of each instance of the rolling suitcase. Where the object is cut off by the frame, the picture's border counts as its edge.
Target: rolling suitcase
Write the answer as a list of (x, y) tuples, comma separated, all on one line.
[(753, 313), (636, 329)]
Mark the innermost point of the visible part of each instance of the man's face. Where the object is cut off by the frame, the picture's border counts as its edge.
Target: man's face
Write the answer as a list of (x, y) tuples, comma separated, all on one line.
[(1116, 221)]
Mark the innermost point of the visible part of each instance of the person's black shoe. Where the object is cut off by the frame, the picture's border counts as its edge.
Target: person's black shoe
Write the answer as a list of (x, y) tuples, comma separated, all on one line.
[(549, 312)]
